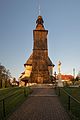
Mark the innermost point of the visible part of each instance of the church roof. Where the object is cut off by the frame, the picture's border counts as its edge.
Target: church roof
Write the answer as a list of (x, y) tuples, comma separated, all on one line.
[(50, 62), (29, 61)]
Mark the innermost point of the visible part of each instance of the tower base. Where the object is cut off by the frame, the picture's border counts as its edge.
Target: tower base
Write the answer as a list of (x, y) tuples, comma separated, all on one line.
[(40, 77)]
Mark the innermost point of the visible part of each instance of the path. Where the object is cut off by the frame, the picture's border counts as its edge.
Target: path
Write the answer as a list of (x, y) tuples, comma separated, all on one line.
[(42, 104)]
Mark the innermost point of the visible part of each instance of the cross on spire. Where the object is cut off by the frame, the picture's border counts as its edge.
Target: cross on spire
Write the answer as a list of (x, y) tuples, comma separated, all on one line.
[(39, 10)]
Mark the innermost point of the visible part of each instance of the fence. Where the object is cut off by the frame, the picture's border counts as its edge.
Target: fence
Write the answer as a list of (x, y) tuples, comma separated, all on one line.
[(71, 104), (9, 103)]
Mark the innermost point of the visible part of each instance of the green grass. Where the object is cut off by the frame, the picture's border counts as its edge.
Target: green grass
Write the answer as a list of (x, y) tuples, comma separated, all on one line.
[(13, 97), (74, 106), (75, 92)]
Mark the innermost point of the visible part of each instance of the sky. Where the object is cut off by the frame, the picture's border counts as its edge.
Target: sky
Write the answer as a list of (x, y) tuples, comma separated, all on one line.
[(17, 22)]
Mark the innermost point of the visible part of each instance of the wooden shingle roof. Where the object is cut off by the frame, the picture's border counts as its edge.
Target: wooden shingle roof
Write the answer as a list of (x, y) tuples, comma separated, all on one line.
[(29, 61)]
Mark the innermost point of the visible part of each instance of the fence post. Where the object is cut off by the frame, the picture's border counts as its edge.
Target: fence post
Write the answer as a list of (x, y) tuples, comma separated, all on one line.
[(24, 92), (59, 90), (4, 112), (69, 103)]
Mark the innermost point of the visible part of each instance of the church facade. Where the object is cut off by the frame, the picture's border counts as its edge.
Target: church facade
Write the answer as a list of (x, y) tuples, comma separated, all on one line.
[(39, 67)]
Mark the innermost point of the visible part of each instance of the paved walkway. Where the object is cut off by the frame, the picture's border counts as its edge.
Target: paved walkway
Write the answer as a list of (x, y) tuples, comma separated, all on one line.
[(42, 104)]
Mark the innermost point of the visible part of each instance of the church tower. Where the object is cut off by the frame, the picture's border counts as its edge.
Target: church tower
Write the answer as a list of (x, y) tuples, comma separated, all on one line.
[(40, 73), (38, 67)]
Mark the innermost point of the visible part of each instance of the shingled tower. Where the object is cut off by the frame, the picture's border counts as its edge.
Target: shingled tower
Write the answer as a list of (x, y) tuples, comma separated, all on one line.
[(38, 67), (40, 73)]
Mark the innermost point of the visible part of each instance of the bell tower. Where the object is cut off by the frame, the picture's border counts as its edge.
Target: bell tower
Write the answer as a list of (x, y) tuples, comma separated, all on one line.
[(40, 73)]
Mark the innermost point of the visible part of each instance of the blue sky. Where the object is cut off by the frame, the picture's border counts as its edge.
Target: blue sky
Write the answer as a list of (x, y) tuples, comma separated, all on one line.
[(61, 19)]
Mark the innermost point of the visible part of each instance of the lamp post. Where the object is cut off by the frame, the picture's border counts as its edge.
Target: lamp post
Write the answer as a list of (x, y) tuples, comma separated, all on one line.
[(55, 79), (74, 72)]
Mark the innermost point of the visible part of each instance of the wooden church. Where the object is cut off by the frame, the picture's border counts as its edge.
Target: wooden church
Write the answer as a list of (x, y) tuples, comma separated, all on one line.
[(39, 67)]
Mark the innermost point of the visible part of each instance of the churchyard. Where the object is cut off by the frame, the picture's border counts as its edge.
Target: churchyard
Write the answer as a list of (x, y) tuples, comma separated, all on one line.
[(11, 98), (70, 99)]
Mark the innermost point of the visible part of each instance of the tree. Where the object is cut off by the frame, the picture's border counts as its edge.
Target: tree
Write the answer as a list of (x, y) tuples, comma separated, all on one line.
[(5, 76)]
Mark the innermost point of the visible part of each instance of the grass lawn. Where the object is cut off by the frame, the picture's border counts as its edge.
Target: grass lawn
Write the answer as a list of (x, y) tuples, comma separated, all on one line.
[(75, 92), (74, 106), (13, 97)]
